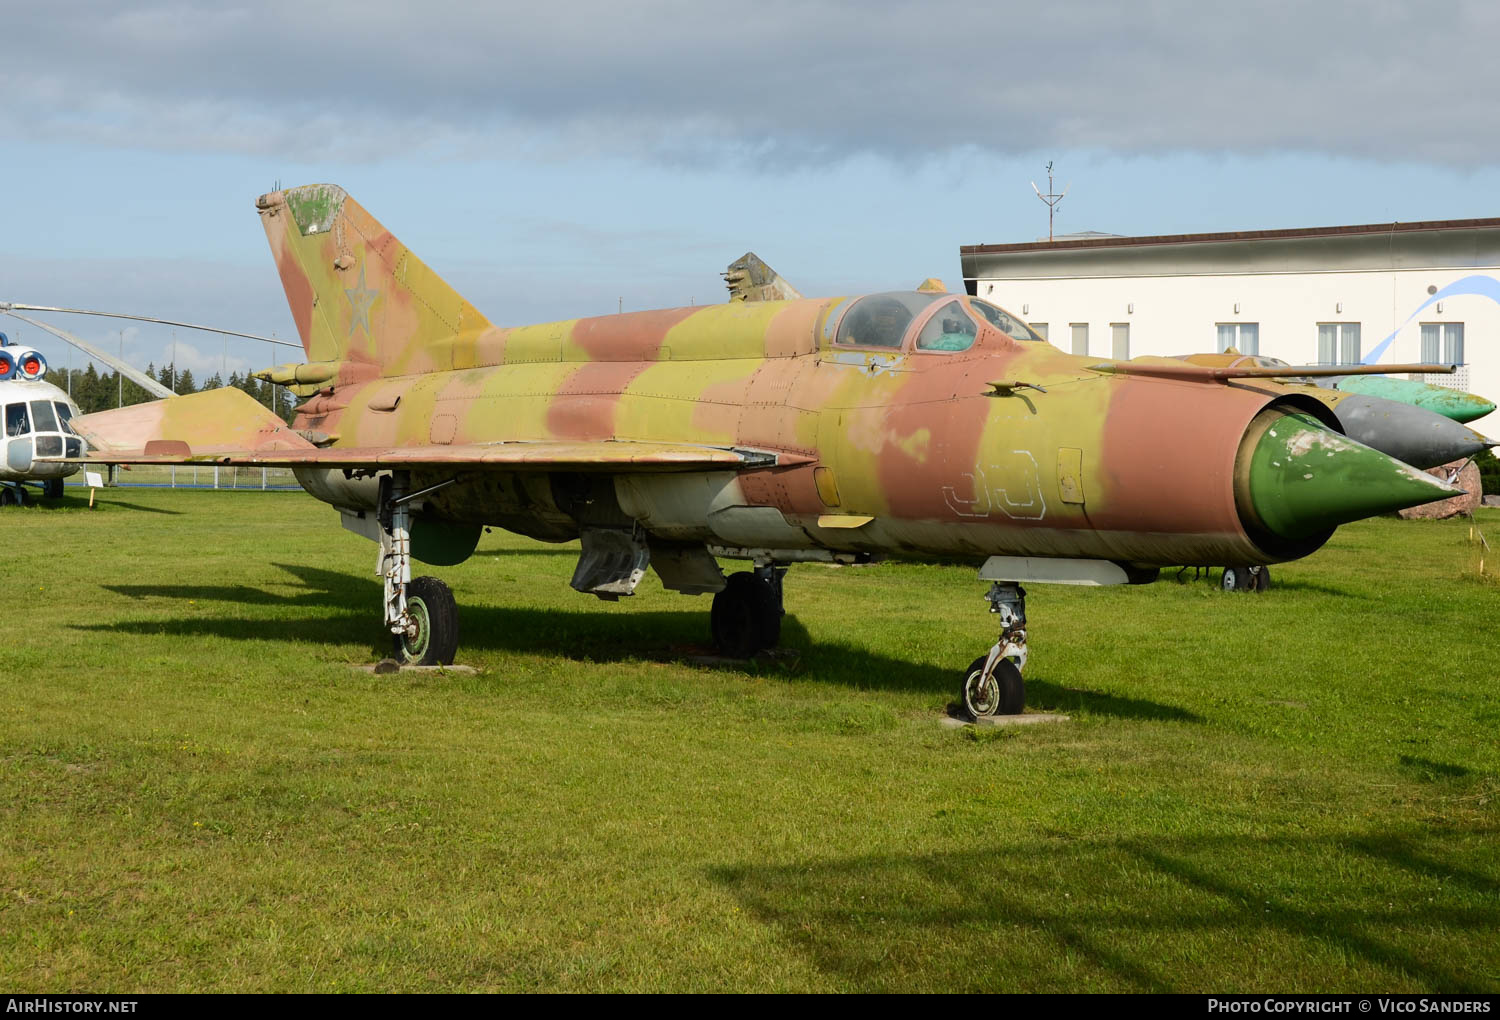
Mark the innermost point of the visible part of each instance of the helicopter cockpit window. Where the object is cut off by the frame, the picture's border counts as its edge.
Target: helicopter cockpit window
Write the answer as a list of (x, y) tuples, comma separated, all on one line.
[(17, 421), (43, 416), (64, 415), (949, 329), (1004, 321), (880, 320)]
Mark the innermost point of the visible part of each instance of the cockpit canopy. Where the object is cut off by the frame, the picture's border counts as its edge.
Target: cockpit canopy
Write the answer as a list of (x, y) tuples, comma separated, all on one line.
[(883, 320), (37, 428)]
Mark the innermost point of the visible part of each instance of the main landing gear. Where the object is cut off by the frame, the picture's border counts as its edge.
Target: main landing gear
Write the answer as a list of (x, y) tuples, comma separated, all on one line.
[(16, 493), (746, 615), (992, 684), (420, 613)]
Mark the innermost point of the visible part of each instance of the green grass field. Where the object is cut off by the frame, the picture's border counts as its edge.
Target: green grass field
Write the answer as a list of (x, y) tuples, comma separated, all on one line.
[(1292, 791)]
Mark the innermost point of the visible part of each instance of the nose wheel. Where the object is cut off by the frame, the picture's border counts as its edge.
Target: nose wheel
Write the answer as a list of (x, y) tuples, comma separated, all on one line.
[(1000, 691), (992, 684)]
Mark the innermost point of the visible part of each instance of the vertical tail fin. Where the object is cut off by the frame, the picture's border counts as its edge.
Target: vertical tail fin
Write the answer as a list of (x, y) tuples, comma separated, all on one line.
[(356, 292)]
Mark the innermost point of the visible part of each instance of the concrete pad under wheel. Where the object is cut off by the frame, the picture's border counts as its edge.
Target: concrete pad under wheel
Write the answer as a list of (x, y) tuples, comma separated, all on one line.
[(384, 668), (1025, 719)]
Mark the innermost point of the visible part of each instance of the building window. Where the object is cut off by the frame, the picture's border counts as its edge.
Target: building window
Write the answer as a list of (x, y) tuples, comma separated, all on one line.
[(1443, 343), (1338, 343), (1080, 337), (1119, 339), (1039, 328), (1242, 336)]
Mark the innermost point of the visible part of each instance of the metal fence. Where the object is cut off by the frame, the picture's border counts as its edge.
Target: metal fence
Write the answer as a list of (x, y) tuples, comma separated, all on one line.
[(195, 476)]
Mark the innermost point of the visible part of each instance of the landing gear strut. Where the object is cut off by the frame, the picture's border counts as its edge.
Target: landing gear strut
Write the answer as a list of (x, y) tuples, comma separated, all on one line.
[(992, 684), (746, 615), (420, 613)]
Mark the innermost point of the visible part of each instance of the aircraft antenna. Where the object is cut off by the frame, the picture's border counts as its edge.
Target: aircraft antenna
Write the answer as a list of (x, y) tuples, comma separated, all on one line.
[(1051, 197)]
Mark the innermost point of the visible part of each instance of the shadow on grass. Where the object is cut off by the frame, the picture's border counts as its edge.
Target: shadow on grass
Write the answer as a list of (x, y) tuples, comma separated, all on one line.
[(320, 588), (136, 507), (72, 504), (1311, 587), (506, 554), (1005, 917), (601, 635), (1430, 771)]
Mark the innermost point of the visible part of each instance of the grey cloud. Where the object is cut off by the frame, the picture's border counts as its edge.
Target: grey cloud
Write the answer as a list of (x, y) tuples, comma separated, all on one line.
[(776, 81)]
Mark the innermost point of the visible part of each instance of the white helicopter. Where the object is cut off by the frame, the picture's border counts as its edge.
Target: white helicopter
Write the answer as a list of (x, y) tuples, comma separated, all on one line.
[(36, 414), (36, 417)]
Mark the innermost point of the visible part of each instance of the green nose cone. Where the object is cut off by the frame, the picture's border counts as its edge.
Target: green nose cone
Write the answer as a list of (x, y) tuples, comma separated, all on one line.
[(1305, 479), (1455, 404)]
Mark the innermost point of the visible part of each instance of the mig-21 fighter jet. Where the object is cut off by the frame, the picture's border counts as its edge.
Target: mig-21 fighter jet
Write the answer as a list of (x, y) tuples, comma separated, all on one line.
[(911, 425)]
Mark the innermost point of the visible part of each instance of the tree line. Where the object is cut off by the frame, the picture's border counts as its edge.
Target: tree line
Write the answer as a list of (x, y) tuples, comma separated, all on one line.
[(93, 390)]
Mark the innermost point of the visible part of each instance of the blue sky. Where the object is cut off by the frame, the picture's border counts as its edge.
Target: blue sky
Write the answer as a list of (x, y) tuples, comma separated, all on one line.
[(557, 164)]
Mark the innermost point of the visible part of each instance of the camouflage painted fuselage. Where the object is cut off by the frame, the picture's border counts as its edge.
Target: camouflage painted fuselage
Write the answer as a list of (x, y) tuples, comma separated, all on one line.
[(880, 450), (1135, 470)]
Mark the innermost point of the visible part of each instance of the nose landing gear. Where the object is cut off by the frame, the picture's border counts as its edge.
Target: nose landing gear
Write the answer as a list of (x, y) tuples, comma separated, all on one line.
[(992, 684)]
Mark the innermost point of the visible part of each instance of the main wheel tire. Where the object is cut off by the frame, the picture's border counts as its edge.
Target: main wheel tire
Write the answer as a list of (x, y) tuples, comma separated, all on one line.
[(746, 616), (1263, 579), (430, 603), (1234, 579), (53, 489), (1004, 693), (7, 495)]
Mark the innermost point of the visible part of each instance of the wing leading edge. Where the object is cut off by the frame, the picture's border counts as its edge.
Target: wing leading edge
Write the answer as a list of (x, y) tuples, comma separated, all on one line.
[(605, 455), (228, 427)]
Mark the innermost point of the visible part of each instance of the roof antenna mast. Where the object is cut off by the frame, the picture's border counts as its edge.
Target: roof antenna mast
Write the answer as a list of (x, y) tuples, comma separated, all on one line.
[(1051, 198)]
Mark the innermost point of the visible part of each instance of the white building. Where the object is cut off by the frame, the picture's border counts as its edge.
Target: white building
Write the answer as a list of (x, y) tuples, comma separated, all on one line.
[(1386, 293)]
